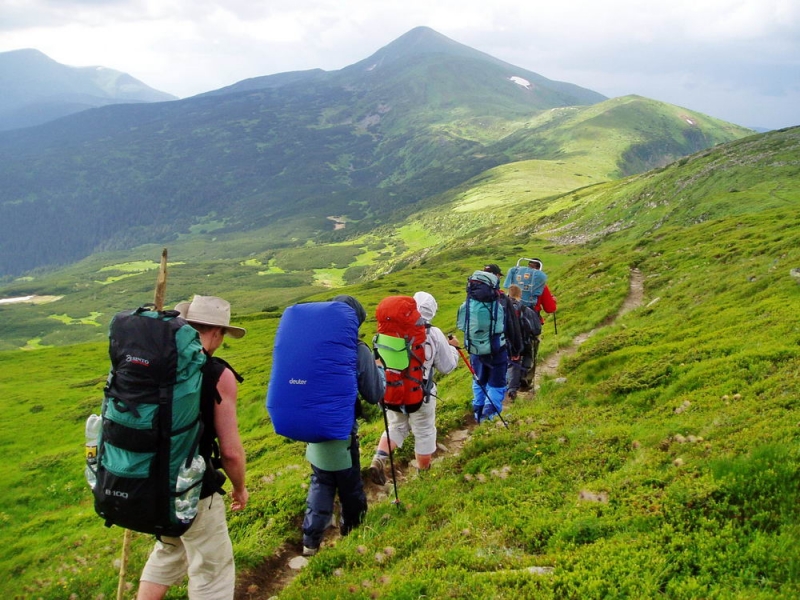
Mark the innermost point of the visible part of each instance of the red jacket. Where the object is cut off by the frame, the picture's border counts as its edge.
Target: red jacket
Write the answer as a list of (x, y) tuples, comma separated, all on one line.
[(546, 301)]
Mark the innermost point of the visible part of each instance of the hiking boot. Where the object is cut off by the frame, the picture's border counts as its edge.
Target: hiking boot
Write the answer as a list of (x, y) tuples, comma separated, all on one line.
[(377, 471), (512, 395), (309, 551)]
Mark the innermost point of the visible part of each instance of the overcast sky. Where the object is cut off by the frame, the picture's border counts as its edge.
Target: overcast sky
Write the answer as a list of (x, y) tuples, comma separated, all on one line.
[(737, 60)]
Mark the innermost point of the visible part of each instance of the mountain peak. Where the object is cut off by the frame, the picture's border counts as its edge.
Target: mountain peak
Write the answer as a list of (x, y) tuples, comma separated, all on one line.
[(24, 52), (424, 38), (421, 41)]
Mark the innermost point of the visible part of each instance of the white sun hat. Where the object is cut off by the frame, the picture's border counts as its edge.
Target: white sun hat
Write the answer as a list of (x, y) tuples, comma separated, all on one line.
[(210, 310)]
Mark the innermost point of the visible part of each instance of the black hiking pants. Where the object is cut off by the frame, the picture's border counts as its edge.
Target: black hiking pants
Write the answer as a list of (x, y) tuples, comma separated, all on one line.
[(325, 485), (526, 364)]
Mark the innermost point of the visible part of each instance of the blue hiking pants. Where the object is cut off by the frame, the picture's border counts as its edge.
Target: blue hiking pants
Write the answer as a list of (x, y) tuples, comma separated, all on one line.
[(490, 377)]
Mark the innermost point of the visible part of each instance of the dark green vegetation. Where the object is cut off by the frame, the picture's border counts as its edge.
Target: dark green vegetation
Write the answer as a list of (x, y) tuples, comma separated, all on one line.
[(282, 260), (665, 466), (276, 156)]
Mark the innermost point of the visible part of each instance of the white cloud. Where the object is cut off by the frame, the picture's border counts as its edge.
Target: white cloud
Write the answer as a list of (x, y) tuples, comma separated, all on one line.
[(735, 53)]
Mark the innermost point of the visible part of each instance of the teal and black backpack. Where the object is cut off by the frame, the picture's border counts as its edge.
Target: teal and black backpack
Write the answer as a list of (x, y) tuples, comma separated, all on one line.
[(149, 469), (481, 317)]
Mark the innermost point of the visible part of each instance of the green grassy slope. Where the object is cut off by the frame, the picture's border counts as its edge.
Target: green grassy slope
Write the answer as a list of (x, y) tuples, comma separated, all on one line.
[(624, 135), (663, 464), (354, 142), (280, 262)]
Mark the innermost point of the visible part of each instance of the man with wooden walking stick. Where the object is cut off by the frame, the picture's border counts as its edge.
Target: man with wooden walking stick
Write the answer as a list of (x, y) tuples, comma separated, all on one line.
[(205, 551), (159, 455)]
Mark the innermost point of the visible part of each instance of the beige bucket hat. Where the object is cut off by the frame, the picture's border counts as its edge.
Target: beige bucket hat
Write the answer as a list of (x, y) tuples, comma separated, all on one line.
[(210, 310)]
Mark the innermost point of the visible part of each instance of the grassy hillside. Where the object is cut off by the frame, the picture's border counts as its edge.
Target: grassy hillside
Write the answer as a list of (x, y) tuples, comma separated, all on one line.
[(660, 461), (270, 265)]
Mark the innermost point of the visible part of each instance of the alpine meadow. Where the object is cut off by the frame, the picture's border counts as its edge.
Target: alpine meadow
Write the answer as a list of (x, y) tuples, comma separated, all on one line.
[(658, 455)]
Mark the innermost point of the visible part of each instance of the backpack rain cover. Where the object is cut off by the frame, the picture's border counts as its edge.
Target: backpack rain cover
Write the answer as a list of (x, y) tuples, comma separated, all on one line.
[(314, 380), (400, 344)]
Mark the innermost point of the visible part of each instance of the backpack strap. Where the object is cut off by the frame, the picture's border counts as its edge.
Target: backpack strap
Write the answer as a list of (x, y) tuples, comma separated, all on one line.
[(492, 327), (213, 369), (428, 382)]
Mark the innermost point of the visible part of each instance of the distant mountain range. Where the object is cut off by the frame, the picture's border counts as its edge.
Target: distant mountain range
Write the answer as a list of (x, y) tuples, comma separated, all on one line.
[(35, 89), (282, 153)]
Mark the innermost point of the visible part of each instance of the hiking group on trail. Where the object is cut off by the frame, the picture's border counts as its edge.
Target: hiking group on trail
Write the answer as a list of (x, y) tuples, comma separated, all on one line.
[(170, 400)]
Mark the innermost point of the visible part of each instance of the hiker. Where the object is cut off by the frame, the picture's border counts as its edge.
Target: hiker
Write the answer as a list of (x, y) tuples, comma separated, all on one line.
[(531, 280), (491, 335), (545, 301), (530, 328), (440, 354), (205, 551), (512, 324), (336, 465)]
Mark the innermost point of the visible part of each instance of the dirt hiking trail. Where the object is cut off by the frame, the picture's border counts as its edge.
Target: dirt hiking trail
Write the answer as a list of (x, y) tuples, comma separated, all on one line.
[(277, 572)]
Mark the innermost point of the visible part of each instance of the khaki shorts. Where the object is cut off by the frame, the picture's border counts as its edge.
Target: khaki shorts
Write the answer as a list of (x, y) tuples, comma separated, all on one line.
[(204, 553), (421, 423)]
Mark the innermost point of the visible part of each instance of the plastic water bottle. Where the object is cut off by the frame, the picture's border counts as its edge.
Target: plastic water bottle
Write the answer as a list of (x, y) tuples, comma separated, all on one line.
[(93, 425), (189, 493)]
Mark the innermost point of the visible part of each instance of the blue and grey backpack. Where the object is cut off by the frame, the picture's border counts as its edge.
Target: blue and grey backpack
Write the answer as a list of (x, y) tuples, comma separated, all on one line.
[(151, 426), (314, 380), (531, 281), (481, 317)]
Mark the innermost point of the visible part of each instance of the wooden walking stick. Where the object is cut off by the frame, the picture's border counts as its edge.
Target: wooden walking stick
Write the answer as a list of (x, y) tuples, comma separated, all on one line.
[(161, 282), (123, 568), (158, 303)]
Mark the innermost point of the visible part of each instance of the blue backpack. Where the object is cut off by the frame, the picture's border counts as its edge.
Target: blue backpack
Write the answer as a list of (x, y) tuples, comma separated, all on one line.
[(481, 317), (314, 380), (531, 281)]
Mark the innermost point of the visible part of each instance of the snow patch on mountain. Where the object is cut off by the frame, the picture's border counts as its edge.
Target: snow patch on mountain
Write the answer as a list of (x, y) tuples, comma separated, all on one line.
[(521, 81)]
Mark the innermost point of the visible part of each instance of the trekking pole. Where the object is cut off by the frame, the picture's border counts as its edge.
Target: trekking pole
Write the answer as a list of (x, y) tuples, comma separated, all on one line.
[(555, 332), (158, 303), (533, 366), (391, 458), (483, 389)]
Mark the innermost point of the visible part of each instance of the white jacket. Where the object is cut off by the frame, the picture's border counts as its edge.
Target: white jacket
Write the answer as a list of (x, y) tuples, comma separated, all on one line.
[(439, 354)]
